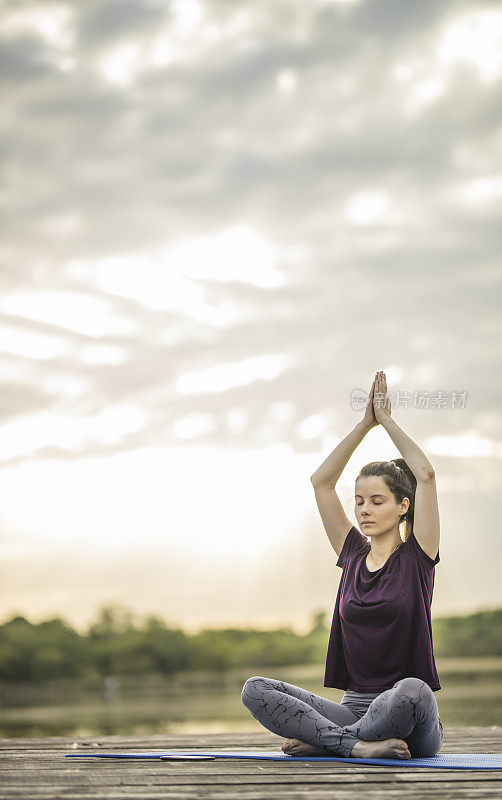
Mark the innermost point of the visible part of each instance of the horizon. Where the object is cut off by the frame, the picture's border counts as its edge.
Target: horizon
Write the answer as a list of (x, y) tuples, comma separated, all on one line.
[(139, 622)]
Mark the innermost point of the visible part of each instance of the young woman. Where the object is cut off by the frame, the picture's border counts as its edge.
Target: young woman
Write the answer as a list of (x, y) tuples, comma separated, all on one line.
[(380, 648)]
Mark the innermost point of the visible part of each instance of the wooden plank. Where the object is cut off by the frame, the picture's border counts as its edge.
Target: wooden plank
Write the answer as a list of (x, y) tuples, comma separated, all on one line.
[(250, 793), (313, 781), (113, 772), (36, 768)]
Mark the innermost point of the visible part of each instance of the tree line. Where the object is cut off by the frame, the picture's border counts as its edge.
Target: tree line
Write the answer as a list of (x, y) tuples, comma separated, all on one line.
[(115, 645)]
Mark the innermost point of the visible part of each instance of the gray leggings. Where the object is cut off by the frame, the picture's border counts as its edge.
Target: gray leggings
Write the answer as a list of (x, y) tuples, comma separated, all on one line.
[(408, 711)]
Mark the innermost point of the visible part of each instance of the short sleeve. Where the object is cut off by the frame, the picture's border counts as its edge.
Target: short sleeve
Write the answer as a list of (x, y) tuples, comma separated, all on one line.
[(420, 554), (354, 542)]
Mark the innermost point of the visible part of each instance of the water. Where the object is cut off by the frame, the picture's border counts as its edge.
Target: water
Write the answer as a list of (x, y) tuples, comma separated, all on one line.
[(202, 702)]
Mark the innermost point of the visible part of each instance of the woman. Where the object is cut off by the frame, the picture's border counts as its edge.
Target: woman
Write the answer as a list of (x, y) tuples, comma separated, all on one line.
[(380, 648)]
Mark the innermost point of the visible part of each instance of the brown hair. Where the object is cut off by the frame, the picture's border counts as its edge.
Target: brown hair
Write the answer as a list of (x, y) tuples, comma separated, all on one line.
[(401, 482)]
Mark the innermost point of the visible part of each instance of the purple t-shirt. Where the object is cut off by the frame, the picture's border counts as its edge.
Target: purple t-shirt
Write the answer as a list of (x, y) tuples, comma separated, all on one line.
[(381, 630)]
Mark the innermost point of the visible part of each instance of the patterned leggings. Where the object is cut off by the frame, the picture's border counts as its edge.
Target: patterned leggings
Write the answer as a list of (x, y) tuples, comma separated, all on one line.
[(408, 711)]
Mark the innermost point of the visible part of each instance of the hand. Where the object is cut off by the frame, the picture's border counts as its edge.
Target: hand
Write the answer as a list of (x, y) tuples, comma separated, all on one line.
[(381, 402), (369, 418)]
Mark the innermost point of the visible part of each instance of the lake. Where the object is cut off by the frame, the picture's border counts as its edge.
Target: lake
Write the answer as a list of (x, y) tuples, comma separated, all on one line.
[(202, 702)]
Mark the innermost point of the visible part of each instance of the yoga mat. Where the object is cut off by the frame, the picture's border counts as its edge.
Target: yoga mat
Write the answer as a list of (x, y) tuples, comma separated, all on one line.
[(441, 760)]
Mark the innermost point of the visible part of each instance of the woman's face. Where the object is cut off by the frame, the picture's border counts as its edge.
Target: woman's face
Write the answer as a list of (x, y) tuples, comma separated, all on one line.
[(375, 506)]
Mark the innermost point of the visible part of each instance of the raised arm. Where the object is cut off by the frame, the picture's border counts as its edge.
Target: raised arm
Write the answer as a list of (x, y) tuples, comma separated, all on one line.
[(336, 523), (410, 451), (330, 470), (426, 527)]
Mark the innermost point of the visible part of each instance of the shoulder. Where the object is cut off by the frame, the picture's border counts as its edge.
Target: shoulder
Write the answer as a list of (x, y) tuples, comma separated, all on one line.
[(414, 549)]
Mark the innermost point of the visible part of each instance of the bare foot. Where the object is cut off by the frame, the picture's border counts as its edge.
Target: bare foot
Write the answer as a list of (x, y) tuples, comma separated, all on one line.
[(296, 747), (389, 748)]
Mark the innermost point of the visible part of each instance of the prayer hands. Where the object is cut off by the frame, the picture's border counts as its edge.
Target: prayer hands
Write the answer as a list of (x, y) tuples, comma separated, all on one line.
[(381, 401)]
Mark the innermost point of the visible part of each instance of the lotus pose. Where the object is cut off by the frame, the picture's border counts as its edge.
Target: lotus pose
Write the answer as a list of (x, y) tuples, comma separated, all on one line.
[(380, 648)]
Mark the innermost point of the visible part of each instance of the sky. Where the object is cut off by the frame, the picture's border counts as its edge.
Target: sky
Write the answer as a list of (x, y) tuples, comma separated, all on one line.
[(219, 220)]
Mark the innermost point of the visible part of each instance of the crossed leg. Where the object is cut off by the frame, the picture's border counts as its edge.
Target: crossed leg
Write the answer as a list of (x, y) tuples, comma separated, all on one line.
[(408, 710)]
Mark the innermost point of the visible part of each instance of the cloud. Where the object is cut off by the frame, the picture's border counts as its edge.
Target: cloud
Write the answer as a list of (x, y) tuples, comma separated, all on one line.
[(107, 21), (364, 200)]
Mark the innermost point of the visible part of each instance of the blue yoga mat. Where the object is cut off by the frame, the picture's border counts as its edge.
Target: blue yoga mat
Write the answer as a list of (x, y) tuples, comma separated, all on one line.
[(441, 760)]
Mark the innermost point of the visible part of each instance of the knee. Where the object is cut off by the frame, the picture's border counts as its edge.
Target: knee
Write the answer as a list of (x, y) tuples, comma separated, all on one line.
[(414, 688), (249, 690)]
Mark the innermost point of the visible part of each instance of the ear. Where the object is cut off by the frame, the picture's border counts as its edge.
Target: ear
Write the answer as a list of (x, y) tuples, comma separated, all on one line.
[(405, 504)]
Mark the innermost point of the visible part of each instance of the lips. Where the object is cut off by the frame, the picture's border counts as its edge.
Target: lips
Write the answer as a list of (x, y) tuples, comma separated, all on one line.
[(367, 523)]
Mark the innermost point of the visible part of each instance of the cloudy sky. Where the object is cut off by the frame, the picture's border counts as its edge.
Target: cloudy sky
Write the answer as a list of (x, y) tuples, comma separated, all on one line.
[(219, 219)]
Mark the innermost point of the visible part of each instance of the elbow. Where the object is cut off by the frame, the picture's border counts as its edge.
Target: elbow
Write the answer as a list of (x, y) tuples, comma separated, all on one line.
[(428, 475), (316, 483)]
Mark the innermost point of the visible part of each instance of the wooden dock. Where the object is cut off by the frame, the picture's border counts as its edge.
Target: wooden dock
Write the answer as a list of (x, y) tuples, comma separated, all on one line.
[(36, 768)]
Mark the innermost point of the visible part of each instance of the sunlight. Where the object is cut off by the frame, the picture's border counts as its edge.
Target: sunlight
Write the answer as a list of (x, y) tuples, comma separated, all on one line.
[(68, 387), (423, 84), (474, 38), (92, 316), (31, 432), (172, 278), (97, 354), (233, 373), (423, 93), (238, 254), (468, 446), (49, 20), (237, 420), (368, 208), (193, 426), (313, 426), (187, 14), (145, 498), (286, 82), (30, 345), (480, 191), (120, 65)]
